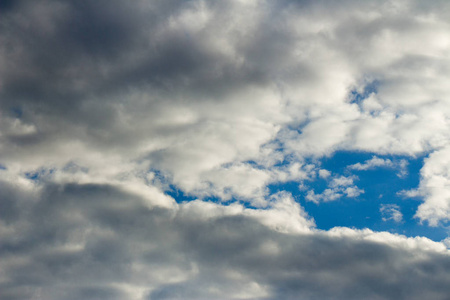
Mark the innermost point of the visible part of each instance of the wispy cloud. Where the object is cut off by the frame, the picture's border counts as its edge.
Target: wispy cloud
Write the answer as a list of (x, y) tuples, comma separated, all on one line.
[(376, 162), (391, 212)]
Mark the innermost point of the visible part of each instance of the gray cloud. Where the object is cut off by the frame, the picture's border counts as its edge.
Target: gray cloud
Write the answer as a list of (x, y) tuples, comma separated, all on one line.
[(104, 104), (96, 242)]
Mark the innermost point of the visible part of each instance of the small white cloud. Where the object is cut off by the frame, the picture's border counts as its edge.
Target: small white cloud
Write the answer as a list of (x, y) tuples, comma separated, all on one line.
[(403, 168), (372, 163), (326, 196), (312, 196), (353, 192), (410, 193), (391, 212), (376, 162), (342, 181), (338, 187), (324, 173)]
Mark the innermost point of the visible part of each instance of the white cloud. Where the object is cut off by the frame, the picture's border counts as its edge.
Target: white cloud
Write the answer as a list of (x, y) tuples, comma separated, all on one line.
[(342, 181), (446, 242), (435, 180), (376, 162), (324, 173), (338, 186), (391, 212), (372, 163)]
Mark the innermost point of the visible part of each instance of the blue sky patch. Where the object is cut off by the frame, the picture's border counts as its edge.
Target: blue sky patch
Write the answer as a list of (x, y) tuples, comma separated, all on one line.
[(381, 186)]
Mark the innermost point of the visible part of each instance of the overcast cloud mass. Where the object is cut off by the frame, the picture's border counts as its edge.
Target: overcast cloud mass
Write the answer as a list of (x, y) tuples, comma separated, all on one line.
[(141, 141)]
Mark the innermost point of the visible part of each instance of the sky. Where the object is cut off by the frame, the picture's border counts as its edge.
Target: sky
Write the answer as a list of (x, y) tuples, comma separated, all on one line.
[(235, 149)]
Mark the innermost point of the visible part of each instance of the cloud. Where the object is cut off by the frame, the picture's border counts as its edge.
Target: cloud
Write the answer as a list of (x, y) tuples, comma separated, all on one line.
[(98, 242), (372, 163), (107, 106), (391, 212), (433, 187), (324, 173), (338, 187), (376, 162), (173, 84)]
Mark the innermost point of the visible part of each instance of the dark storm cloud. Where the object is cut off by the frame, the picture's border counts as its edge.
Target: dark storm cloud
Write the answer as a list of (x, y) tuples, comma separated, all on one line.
[(92, 241)]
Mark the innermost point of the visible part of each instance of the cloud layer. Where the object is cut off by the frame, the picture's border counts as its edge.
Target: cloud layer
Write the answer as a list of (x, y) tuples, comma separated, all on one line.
[(196, 90), (98, 242), (106, 106)]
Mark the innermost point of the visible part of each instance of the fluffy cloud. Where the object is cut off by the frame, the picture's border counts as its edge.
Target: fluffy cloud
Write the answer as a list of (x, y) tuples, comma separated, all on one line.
[(190, 87), (338, 187), (105, 106), (434, 187), (98, 242)]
